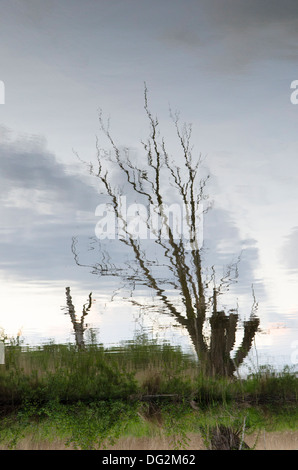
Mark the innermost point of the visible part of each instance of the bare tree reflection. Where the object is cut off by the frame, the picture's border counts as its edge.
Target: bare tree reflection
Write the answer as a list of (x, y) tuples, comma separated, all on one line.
[(175, 270), (79, 326)]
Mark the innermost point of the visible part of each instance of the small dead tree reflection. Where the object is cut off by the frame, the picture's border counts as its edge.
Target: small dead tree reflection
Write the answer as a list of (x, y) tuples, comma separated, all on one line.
[(79, 326), (155, 182), (226, 438)]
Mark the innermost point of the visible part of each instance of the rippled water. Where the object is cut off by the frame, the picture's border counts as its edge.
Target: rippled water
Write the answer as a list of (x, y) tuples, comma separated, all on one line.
[(48, 243), (38, 264), (235, 88), (36, 312)]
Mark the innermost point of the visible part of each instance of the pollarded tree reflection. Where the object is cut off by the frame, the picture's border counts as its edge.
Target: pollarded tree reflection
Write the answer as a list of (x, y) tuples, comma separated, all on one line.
[(174, 268)]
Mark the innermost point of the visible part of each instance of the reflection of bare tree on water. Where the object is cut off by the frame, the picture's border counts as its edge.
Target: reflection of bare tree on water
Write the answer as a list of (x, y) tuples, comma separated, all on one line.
[(79, 326), (176, 269), (222, 341), (226, 438)]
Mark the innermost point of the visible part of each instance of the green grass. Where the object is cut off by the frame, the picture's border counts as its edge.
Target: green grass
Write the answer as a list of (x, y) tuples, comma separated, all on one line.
[(60, 372), (90, 398), (97, 425)]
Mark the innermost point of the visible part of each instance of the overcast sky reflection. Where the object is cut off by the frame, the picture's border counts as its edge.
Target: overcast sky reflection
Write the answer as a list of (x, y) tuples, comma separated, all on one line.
[(227, 66)]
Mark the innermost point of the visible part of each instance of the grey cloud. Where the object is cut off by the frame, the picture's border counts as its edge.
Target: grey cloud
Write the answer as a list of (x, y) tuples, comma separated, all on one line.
[(42, 207), (142, 38), (36, 239), (230, 36), (233, 13), (28, 166)]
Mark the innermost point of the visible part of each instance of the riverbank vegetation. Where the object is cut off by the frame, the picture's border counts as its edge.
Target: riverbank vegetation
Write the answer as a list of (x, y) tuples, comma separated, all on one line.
[(91, 398)]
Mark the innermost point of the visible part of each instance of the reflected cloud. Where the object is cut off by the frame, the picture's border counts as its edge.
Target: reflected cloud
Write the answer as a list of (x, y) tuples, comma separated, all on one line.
[(42, 206), (236, 34)]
